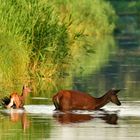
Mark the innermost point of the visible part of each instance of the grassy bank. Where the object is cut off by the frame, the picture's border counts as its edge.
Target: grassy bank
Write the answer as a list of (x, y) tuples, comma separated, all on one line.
[(38, 39)]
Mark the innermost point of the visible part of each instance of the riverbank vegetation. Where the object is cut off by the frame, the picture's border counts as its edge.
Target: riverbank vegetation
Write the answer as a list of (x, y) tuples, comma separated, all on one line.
[(40, 40)]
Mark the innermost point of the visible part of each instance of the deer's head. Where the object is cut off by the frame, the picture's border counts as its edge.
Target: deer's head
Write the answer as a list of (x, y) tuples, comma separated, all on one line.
[(114, 97), (25, 90)]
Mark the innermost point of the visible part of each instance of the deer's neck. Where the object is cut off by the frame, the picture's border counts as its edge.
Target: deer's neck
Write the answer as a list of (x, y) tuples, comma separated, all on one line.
[(100, 102), (23, 95)]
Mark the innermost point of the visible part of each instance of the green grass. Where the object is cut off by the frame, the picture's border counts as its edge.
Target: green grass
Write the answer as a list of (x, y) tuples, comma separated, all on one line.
[(31, 30), (94, 17), (14, 59), (38, 38)]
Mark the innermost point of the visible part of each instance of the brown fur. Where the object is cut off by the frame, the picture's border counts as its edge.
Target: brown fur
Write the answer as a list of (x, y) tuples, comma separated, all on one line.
[(17, 101), (76, 100)]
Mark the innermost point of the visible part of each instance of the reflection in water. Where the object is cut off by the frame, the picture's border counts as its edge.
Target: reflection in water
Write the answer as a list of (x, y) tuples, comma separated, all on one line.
[(78, 124), (17, 116), (70, 117), (92, 62), (110, 118)]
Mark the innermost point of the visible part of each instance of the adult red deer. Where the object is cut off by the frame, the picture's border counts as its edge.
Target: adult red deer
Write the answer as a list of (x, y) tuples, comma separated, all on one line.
[(15, 100), (66, 100)]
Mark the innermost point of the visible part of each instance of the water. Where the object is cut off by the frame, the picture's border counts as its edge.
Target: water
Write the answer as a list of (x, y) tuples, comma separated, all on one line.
[(41, 122)]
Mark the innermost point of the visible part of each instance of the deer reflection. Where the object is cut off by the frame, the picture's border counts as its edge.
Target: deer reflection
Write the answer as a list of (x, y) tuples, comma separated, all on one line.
[(111, 118), (69, 117), (18, 116)]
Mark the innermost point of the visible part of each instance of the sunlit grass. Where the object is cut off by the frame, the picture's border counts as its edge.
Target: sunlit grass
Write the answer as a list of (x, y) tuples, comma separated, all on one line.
[(31, 26), (14, 60), (38, 38), (93, 17)]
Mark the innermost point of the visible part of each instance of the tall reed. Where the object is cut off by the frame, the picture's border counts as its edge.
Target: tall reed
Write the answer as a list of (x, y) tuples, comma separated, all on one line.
[(38, 37), (38, 33)]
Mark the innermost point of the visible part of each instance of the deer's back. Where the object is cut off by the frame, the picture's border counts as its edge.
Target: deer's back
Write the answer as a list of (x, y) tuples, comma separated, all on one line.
[(18, 101), (70, 99)]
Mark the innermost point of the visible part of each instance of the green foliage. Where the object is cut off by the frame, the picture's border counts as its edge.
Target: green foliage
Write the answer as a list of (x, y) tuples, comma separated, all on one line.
[(14, 59), (38, 38), (95, 17), (38, 28)]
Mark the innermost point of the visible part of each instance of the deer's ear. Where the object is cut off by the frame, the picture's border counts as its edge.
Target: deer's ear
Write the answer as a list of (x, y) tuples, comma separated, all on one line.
[(116, 91), (24, 86)]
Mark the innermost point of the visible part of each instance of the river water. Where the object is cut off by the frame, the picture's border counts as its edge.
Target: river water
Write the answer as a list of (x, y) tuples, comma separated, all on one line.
[(40, 122), (120, 69)]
